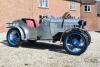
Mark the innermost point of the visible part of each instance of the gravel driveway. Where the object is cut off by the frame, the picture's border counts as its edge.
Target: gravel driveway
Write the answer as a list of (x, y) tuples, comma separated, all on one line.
[(48, 55)]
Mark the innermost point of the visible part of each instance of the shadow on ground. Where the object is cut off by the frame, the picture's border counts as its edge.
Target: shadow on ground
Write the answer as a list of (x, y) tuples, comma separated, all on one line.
[(43, 46), (40, 46), (97, 31)]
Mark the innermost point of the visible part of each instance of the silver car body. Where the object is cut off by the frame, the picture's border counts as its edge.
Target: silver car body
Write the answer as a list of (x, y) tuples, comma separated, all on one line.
[(47, 29)]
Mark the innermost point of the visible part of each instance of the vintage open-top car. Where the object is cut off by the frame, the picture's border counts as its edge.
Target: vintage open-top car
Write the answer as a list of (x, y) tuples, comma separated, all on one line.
[(68, 31)]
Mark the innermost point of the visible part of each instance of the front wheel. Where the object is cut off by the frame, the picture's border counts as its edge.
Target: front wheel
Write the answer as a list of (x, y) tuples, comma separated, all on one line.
[(75, 43), (14, 37)]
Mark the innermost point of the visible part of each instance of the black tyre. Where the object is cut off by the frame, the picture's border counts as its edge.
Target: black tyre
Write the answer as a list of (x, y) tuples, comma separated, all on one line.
[(14, 37), (75, 43), (87, 34)]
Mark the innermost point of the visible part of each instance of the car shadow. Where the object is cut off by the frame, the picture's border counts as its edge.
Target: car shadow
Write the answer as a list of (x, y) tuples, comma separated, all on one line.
[(43, 46), (97, 31), (40, 46)]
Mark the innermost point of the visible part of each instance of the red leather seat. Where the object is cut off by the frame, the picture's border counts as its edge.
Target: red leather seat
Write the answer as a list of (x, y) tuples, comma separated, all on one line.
[(31, 22)]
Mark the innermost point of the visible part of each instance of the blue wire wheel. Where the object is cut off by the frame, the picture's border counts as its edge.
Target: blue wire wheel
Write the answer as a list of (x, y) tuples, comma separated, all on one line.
[(75, 43), (13, 37)]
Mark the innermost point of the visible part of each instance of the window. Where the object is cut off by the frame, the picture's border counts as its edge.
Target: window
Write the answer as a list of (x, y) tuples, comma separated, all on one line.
[(87, 8), (72, 5), (43, 3)]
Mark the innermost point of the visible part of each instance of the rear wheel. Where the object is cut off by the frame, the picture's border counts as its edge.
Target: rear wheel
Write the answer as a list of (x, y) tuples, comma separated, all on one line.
[(87, 36), (14, 37), (75, 43)]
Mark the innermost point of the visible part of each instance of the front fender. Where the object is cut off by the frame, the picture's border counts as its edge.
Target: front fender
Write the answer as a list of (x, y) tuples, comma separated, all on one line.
[(26, 31), (63, 35)]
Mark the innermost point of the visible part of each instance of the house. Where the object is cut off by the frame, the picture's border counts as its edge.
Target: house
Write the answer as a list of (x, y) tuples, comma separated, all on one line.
[(15, 9)]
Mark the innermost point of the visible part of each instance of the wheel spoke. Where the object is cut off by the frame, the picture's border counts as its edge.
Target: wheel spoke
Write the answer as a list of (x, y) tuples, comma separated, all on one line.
[(76, 49)]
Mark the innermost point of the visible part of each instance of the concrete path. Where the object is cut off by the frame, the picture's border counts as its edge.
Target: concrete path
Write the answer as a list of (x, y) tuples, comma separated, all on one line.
[(47, 55)]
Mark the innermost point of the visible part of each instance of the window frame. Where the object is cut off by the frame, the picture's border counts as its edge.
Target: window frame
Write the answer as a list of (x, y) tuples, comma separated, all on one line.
[(73, 3), (44, 2), (88, 9)]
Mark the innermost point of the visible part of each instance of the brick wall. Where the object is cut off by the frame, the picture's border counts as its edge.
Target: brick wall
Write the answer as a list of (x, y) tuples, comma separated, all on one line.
[(14, 9), (91, 17)]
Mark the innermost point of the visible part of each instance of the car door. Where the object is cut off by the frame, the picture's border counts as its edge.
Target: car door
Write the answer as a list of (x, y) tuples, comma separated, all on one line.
[(43, 31)]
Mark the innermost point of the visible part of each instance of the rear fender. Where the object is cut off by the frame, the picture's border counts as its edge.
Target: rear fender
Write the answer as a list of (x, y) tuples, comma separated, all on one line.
[(22, 33)]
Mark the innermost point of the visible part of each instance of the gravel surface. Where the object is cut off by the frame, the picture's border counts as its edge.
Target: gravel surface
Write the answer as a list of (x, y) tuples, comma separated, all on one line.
[(48, 55)]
